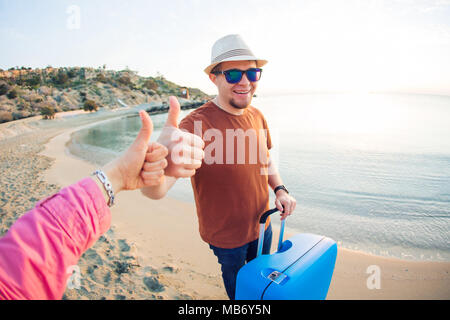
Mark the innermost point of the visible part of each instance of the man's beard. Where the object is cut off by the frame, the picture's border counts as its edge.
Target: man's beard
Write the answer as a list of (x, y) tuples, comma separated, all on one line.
[(237, 106)]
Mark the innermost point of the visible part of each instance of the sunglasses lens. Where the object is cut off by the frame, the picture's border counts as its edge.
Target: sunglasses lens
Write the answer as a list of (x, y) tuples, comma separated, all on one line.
[(233, 76), (253, 74)]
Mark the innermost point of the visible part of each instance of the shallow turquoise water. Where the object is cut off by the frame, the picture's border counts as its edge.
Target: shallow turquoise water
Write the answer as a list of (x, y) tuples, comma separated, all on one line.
[(370, 171)]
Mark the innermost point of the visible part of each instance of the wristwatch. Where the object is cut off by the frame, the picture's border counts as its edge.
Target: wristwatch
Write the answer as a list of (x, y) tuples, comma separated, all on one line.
[(280, 187)]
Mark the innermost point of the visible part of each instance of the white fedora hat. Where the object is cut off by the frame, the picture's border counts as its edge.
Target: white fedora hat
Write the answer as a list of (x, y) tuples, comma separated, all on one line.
[(231, 48)]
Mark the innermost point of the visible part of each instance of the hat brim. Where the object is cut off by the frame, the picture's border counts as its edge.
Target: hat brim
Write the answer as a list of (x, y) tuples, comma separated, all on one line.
[(259, 62)]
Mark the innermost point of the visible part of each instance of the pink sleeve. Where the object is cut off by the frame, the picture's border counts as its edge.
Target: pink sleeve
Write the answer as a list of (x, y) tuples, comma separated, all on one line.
[(42, 245)]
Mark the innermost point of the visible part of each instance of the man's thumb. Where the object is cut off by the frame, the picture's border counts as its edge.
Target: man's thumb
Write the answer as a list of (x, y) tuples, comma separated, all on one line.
[(174, 112), (144, 134)]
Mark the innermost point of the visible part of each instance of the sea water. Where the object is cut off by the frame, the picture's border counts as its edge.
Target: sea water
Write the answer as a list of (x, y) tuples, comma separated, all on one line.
[(371, 171)]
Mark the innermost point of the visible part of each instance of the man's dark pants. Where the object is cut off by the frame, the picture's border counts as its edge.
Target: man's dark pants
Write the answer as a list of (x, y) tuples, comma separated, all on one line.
[(232, 260)]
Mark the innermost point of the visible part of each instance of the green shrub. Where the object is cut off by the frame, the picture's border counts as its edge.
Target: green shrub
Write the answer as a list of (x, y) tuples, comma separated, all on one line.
[(47, 111), (20, 115), (12, 94), (22, 104), (150, 84), (83, 96), (62, 78), (71, 73), (34, 81), (90, 106), (100, 78), (5, 116), (125, 80), (4, 87)]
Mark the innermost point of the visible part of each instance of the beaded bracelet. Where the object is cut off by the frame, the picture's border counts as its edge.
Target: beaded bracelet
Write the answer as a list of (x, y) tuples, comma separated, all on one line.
[(106, 184)]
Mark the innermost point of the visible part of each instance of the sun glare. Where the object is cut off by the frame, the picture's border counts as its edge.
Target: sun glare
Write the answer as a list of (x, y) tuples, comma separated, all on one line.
[(359, 48)]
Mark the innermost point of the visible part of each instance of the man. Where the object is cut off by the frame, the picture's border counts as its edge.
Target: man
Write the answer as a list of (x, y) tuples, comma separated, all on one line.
[(231, 183)]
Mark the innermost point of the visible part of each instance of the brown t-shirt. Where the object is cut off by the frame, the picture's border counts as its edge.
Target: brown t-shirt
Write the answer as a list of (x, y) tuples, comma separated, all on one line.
[(231, 187)]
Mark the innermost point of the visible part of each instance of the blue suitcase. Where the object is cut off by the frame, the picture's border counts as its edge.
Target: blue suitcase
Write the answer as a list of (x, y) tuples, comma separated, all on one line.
[(301, 269)]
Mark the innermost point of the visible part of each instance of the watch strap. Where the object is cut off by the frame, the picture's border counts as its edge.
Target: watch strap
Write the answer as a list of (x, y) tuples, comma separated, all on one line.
[(280, 187)]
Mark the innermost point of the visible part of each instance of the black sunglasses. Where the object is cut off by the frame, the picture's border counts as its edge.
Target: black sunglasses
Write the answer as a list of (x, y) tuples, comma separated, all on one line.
[(235, 75)]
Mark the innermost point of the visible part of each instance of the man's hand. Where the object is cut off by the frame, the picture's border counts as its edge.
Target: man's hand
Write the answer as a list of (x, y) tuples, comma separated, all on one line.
[(185, 149), (283, 199), (124, 172), (155, 162)]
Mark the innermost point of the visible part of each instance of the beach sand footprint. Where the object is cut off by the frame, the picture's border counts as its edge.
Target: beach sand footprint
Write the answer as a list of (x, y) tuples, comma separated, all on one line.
[(169, 268)]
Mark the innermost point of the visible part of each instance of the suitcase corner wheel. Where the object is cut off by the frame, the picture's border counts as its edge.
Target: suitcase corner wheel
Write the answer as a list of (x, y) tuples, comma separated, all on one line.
[(301, 269)]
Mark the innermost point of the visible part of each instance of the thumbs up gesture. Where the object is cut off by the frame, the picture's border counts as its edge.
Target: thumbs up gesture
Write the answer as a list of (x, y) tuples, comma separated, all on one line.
[(185, 150), (126, 171)]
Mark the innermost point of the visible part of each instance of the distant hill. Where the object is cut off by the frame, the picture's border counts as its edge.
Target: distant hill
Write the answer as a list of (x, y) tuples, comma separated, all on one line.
[(28, 92)]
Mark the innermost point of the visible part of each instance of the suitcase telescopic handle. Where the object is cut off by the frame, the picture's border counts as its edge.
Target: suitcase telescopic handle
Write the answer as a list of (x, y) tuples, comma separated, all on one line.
[(262, 225), (266, 214)]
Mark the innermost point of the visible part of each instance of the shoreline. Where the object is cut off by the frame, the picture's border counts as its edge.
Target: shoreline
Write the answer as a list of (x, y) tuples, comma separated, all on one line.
[(166, 259), (85, 152), (187, 270)]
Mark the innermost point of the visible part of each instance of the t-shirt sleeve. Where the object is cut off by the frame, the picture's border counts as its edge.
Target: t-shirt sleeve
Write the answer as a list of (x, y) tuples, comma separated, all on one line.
[(192, 123), (187, 124)]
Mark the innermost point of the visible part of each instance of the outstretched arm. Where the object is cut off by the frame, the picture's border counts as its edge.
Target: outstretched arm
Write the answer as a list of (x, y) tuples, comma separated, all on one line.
[(40, 248)]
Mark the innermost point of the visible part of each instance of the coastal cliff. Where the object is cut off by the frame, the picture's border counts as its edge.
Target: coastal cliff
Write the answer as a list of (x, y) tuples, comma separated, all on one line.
[(29, 92)]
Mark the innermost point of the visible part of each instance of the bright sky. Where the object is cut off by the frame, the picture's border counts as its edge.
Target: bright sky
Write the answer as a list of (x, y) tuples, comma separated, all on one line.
[(336, 45)]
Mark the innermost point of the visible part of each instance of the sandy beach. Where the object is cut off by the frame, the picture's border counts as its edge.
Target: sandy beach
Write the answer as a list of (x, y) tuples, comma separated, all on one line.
[(153, 249)]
